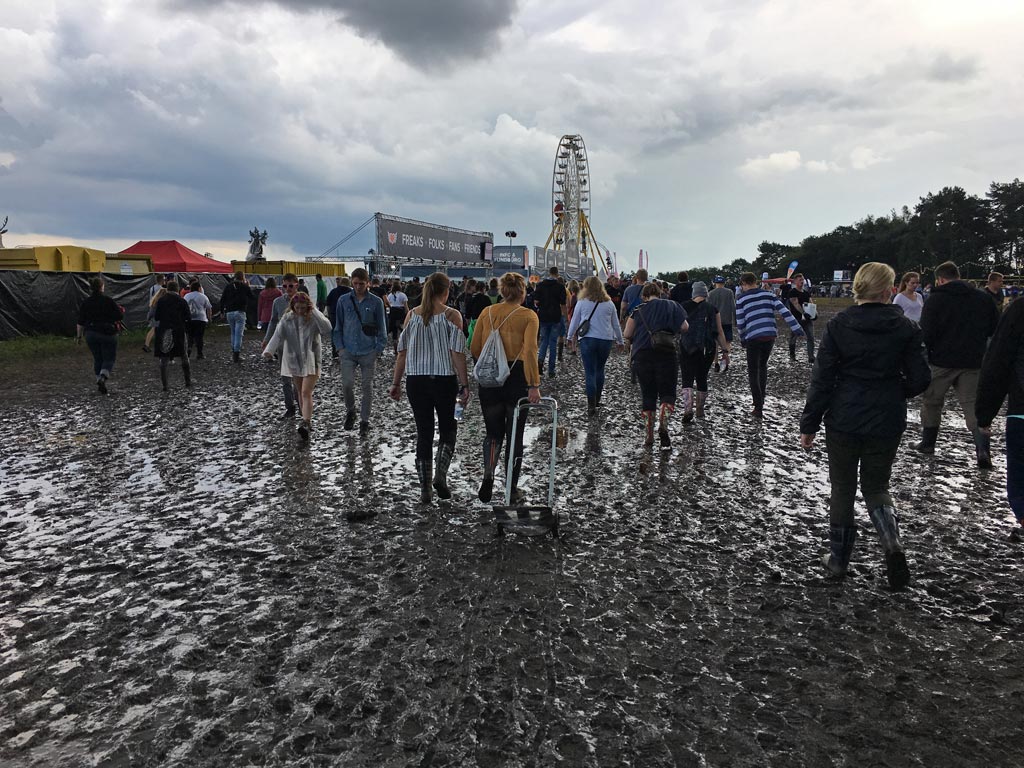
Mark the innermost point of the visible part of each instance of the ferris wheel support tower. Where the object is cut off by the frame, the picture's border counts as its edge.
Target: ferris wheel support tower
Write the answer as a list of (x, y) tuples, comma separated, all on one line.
[(570, 205)]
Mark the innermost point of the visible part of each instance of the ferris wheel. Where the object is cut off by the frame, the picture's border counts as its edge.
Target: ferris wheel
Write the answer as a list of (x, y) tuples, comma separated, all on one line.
[(570, 205)]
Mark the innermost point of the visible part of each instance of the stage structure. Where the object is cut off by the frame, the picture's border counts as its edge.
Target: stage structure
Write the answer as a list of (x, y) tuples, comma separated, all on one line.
[(401, 242), (571, 239)]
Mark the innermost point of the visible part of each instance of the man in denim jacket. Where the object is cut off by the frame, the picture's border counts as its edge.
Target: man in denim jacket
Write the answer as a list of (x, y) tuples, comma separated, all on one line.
[(360, 334)]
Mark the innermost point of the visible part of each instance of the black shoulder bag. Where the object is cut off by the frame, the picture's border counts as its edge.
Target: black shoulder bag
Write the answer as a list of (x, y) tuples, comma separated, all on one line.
[(663, 341)]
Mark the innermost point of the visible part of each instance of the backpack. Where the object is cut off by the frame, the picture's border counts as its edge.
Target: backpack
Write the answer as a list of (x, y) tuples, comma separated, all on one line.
[(491, 369), (700, 336)]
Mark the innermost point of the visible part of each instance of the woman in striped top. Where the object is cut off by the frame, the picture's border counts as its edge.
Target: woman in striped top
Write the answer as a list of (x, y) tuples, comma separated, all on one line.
[(755, 321), (432, 357)]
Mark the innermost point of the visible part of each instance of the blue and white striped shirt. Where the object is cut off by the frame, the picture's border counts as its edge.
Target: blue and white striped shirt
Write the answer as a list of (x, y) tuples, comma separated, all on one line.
[(755, 315)]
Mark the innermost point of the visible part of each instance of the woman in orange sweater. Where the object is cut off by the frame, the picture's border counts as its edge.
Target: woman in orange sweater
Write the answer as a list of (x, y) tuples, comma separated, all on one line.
[(518, 328)]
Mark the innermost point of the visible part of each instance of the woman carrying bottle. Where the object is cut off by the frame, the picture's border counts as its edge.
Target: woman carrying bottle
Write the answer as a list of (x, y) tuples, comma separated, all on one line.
[(908, 299), (432, 357), (870, 362), (596, 322), (655, 363), (98, 318), (518, 328), (297, 340)]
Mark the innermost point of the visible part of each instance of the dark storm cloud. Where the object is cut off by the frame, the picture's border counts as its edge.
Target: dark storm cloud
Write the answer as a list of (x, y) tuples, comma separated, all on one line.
[(426, 33)]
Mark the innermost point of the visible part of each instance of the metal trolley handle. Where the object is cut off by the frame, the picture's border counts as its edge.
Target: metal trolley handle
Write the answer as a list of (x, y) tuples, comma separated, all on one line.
[(545, 404)]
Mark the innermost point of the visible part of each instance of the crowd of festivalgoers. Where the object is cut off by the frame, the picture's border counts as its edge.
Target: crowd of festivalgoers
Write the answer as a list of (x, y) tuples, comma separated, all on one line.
[(895, 343)]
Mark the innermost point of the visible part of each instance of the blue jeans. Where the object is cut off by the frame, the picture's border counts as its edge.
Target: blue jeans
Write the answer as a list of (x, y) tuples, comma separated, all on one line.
[(365, 364), (104, 351), (595, 354), (1015, 466), (549, 333), (236, 321)]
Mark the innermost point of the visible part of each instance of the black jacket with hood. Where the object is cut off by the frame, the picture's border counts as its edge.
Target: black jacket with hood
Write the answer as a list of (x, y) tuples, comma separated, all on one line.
[(957, 320), (870, 361), (1003, 371)]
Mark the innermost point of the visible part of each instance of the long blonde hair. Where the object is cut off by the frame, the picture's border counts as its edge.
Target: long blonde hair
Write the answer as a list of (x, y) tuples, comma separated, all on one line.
[(593, 289), (434, 287)]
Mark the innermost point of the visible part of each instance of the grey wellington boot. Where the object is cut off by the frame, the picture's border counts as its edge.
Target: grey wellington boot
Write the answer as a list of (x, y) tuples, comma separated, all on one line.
[(887, 524)]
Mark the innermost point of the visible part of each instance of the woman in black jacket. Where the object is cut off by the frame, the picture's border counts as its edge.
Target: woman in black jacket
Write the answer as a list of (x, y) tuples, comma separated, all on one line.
[(871, 360), (98, 320), (172, 315)]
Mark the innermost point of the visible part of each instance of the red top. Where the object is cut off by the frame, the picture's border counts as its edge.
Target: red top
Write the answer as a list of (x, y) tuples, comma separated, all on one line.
[(266, 303)]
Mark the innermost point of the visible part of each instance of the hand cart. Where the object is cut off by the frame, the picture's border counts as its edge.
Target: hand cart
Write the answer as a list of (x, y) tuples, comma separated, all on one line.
[(530, 519)]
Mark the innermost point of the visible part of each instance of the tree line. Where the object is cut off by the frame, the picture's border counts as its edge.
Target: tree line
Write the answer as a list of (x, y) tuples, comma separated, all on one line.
[(979, 234)]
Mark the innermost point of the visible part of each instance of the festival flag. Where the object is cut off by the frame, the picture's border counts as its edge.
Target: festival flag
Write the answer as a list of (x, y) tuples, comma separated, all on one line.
[(791, 269)]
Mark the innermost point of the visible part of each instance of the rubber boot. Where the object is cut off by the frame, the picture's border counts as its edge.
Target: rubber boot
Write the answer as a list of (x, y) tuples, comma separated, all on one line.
[(445, 451), (591, 405), (687, 405), (648, 428), (186, 369), (841, 540), (701, 398), (101, 383), (163, 372), (561, 346), (517, 497), (792, 353), (664, 439), (928, 437), (888, 527), (597, 400), (490, 461), (983, 449), (423, 472), (236, 357)]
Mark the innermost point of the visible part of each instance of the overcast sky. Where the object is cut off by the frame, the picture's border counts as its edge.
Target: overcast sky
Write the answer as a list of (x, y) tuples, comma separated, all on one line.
[(711, 125)]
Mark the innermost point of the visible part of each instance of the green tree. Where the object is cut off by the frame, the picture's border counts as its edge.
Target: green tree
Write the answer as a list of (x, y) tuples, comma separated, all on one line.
[(773, 258), (1006, 202), (952, 225)]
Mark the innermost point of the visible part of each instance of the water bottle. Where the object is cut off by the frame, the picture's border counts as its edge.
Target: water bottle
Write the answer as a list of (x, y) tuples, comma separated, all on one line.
[(460, 410)]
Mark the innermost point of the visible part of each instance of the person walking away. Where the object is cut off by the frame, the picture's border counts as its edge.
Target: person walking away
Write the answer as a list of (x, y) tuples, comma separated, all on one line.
[(870, 363), (682, 291), (297, 339), (907, 298), (1002, 375), (755, 320), (797, 297), (594, 328), (493, 295), (632, 295), (161, 281), (360, 334), (321, 293), (518, 328), (233, 303), (172, 315), (281, 305), (957, 322), (652, 331), (551, 311), (265, 305), (200, 313), (432, 357), (399, 311), (475, 305), (724, 300), (98, 319), (698, 348), (572, 290), (340, 289)]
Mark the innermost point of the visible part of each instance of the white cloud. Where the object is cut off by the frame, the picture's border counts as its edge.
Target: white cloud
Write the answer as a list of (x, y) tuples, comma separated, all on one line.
[(862, 158), (775, 164)]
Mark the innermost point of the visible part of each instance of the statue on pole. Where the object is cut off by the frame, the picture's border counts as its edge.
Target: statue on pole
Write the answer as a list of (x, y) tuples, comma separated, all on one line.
[(256, 242), (3, 228)]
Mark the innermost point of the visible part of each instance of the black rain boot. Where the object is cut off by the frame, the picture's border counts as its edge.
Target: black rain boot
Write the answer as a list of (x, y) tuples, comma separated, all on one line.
[(663, 436), (561, 346), (490, 461), (887, 524), (445, 452), (101, 383), (648, 428), (792, 353), (928, 437), (423, 472), (841, 540), (236, 357), (983, 449), (163, 373), (517, 497), (591, 405), (187, 370)]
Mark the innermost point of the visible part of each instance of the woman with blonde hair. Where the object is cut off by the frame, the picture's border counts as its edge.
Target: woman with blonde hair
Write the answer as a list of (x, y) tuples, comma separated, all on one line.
[(432, 357), (871, 360), (518, 328), (297, 338), (908, 299), (594, 327)]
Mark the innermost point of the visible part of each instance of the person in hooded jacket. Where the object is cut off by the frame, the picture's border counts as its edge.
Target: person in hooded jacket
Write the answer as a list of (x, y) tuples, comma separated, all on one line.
[(957, 321), (173, 316), (871, 360)]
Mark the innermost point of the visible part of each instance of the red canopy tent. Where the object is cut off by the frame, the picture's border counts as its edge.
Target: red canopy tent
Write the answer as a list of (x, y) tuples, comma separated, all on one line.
[(172, 256)]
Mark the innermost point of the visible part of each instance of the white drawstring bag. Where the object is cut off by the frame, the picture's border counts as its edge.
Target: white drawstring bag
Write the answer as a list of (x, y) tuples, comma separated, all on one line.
[(491, 367)]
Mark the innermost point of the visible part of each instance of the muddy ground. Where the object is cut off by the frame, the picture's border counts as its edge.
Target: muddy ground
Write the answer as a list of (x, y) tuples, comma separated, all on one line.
[(182, 585)]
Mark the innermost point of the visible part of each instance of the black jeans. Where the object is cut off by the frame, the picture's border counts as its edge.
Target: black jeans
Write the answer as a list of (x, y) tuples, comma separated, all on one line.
[(196, 331), (104, 351), (758, 352), (428, 394), (656, 372), (696, 366), (875, 456), (808, 326), (498, 405)]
